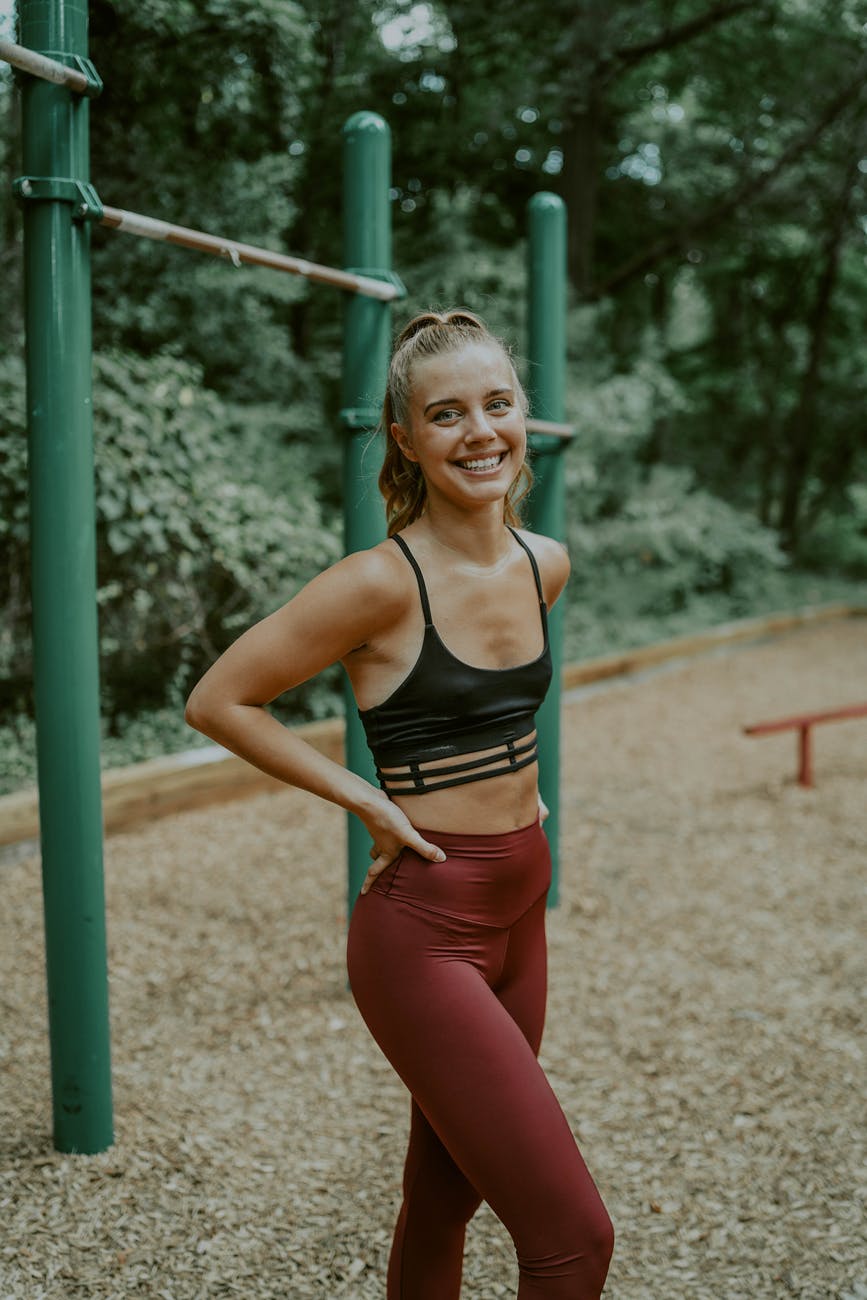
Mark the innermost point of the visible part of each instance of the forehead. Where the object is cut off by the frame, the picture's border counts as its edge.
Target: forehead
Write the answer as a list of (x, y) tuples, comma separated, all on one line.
[(472, 369)]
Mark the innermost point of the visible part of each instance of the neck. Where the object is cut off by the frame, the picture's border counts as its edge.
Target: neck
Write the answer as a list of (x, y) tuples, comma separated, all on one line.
[(477, 535)]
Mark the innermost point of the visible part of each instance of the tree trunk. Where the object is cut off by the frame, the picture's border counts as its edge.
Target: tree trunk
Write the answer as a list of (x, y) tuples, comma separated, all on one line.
[(581, 189), (801, 422)]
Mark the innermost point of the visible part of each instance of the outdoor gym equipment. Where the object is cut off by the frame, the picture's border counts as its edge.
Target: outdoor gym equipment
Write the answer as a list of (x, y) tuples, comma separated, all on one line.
[(802, 724), (60, 205)]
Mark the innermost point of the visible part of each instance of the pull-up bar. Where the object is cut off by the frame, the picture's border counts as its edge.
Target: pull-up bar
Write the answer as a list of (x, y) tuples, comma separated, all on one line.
[(81, 77), (551, 428), (133, 223)]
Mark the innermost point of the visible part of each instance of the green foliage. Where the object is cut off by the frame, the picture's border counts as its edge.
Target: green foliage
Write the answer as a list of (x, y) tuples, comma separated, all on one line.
[(710, 155), (838, 541), (671, 540), (191, 548), (646, 540)]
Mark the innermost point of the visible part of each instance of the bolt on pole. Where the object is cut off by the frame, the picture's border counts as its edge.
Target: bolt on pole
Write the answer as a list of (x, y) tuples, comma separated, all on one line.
[(63, 554), (546, 350), (366, 341)]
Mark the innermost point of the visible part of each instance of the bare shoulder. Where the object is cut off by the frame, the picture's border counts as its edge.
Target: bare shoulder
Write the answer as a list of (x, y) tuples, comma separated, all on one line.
[(377, 582), (553, 561)]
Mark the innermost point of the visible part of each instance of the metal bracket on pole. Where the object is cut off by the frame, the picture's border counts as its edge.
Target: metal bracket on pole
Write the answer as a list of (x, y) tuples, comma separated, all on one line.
[(82, 77), (85, 66), (390, 277), (359, 417), (81, 194)]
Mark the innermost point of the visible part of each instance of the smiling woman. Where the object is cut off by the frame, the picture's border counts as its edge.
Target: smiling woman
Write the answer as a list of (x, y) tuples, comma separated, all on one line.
[(443, 632), (449, 374)]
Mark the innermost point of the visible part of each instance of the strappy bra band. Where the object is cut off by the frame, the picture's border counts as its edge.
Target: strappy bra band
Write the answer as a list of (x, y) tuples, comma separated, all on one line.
[(509, 759)]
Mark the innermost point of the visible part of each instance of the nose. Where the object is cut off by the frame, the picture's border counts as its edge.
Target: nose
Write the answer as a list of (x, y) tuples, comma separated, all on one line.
[(479, 429)]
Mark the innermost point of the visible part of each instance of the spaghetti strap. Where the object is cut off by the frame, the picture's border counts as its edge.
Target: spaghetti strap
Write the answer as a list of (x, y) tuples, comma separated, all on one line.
[(422, 589), (532, 561)]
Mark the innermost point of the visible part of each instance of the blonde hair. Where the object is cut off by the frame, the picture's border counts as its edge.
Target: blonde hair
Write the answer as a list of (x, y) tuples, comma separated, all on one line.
[(431, 334)]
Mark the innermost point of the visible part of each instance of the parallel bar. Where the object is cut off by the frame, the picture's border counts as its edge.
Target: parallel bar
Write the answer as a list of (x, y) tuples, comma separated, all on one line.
[(133, 223), (39, 66), (551, 428)]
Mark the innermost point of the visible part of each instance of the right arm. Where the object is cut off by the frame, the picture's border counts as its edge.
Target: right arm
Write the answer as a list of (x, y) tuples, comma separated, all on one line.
[(337, 613)]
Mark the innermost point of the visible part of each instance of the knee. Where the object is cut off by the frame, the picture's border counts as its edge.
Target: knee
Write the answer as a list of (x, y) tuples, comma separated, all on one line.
[(597, 1248), (594, 1245), (581, 1256), (601, 1241)]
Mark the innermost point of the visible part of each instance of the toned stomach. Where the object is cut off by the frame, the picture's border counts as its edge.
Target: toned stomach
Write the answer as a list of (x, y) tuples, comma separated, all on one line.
[(492, 806)]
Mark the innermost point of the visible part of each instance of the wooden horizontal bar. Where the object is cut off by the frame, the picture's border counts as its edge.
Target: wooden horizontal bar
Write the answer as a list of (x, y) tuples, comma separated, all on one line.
[(807, 720), (40, 66), (133, 223), (551, 428)]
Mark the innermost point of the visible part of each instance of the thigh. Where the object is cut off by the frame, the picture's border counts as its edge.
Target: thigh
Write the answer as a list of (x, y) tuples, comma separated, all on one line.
[(421, 982), (522, 984)]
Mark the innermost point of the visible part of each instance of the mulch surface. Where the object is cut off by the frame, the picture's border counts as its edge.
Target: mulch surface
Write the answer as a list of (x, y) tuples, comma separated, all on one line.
[(704, 1031)]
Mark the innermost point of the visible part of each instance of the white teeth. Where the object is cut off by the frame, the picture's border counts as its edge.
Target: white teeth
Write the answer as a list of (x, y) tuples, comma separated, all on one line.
[(489, 463)]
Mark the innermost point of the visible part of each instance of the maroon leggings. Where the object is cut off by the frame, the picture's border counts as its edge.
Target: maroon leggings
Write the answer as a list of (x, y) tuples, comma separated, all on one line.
[(448, 966)]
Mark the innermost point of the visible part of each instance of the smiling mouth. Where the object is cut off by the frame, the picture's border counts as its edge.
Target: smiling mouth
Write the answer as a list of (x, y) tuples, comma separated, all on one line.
[(481, 464)]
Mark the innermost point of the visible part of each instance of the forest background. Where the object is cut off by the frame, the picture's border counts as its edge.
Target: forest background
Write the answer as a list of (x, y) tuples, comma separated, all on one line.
[(713, 156)]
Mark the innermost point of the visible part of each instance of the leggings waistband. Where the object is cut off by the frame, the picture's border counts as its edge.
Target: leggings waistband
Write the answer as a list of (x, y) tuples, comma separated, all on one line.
[(489, 879)]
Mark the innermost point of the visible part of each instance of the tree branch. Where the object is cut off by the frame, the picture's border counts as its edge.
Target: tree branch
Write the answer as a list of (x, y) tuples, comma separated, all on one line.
[(670, 37), (721, 207)]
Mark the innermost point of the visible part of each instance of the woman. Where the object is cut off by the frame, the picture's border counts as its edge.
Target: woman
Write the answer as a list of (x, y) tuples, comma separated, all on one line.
[(442, 630)]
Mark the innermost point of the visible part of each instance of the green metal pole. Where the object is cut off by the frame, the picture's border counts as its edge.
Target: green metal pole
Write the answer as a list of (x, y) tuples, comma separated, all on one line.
[(546, 273), (366, 341), (63, 556)]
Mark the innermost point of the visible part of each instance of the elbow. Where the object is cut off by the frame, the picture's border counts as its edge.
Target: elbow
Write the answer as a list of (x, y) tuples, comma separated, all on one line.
[(207, 713), (194, 713)]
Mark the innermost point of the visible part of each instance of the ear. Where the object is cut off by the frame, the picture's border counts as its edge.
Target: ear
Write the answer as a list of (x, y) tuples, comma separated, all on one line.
[(402, 439)]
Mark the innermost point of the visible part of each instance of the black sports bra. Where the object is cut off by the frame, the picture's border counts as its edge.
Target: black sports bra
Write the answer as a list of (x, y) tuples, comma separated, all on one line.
[(446, 708)]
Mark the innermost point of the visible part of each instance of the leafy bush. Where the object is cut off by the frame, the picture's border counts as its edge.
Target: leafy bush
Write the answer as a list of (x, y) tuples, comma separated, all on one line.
[(650, 549), (680, 539), (838, 541), (191, 550)]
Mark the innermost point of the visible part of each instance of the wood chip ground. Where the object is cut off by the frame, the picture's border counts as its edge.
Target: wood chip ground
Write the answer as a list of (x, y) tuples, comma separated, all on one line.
[(704, 1030)]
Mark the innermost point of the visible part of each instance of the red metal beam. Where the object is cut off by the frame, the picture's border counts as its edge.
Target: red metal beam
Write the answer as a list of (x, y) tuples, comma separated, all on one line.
[(807, 720), (802, 724)]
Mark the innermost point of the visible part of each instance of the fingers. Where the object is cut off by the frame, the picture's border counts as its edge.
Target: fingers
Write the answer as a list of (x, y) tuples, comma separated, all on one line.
[(383, 858), (426, 850), (381, 862)]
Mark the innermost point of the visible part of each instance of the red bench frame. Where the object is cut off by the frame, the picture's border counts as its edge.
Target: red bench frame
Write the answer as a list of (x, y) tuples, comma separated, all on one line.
[(803, 725)]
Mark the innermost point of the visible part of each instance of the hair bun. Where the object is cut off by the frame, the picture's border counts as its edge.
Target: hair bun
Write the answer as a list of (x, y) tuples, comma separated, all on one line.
[(460, 319)]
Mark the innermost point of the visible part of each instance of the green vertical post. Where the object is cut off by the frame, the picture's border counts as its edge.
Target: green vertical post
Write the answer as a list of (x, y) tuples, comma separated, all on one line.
[(366, 345), (546, 350), (63, 556)]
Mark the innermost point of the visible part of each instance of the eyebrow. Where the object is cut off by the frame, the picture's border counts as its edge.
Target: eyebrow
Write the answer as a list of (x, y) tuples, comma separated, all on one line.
[(443, 401)]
